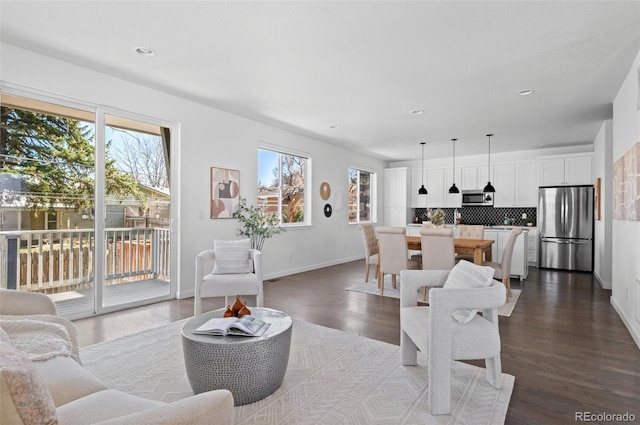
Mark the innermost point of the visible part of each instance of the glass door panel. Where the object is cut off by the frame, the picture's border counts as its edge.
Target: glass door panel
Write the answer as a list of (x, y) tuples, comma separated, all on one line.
[(47, 171), (137, 202)]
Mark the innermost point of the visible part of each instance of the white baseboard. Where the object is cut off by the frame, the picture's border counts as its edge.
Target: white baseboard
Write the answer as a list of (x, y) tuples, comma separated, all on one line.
[(603, 284), (307, 268), (190, 293), (628, 322)]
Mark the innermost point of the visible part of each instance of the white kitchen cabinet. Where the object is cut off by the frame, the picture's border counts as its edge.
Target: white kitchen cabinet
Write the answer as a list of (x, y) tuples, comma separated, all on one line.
[(532, 246), (452, 200), (515, 185), (418, 201), (438, 183), (474, 177), (435, 187), (396, 183), (565, 170), (519, 265)]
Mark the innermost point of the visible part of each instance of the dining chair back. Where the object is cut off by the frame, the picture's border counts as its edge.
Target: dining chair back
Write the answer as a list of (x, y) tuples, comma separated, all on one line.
[(503, 268), (393, 254), (371, 256), (469, 231), (438, 251)]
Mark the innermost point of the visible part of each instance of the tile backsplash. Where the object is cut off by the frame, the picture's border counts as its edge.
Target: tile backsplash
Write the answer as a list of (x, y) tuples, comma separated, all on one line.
[(483, 215)]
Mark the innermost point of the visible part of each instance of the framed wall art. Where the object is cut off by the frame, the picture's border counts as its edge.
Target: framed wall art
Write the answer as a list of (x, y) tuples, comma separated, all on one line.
[(225, 192)]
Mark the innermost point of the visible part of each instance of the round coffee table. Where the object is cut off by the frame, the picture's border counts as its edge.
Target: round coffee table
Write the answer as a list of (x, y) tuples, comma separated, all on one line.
[(252, 368)]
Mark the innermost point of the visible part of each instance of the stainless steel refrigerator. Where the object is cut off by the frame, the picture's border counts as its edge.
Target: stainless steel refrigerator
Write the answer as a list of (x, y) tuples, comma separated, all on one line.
[(565, 226)]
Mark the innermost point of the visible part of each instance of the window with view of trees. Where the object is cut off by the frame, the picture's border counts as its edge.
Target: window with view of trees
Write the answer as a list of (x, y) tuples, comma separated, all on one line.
[(361, 184), (282, 186)]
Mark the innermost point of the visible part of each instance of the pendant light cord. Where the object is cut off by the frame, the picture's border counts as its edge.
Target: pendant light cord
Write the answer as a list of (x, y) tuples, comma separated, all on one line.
[(422, 143), (489, 162)]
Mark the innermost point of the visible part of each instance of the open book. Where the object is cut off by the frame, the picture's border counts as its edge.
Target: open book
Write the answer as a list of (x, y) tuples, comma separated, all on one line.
[(244, 326)]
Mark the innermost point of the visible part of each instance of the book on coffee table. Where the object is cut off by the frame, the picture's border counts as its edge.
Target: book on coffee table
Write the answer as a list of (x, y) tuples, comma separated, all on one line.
[(244, 326)]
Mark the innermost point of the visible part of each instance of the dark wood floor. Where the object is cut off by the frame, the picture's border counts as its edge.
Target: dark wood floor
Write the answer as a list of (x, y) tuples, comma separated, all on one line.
[(564, 343)]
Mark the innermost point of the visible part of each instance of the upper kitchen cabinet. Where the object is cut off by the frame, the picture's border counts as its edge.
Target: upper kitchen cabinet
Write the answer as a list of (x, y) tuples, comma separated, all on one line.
[(452, 200), (474, 178), (435, 187), (565, 170), (396, 185), (418, 201), (515, 185)]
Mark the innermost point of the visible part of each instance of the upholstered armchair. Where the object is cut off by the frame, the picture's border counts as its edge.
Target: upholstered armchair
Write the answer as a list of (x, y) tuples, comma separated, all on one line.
[(230, 269), (450, 328)]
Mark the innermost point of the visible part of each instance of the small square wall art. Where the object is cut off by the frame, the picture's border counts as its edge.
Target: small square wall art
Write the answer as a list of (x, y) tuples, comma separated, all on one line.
[(225, 192)]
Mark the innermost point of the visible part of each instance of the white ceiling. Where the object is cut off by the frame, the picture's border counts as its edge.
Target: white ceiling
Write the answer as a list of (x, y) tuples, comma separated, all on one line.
[(363, 66)]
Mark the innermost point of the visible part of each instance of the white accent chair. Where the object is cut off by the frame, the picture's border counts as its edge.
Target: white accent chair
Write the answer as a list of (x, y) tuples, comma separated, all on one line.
[(394, 254), (438, 252), (371, 256), (227, 283), (437, 332), (503, 268)]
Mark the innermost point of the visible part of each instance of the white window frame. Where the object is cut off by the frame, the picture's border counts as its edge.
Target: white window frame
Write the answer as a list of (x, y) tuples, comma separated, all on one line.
[(307, 182), (372, 194)]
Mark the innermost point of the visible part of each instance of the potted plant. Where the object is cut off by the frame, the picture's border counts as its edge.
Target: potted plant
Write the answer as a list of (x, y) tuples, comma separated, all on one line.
[(256, 224), (528, 221), (436, 216)]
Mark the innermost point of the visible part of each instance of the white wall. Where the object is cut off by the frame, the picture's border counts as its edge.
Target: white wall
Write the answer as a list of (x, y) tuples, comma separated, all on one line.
[(626, 234), (209, 137), (603, 169)]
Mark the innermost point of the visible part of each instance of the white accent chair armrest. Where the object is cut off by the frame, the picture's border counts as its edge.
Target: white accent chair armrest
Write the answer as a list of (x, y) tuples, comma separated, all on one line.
[(212, 407), (13, 302)]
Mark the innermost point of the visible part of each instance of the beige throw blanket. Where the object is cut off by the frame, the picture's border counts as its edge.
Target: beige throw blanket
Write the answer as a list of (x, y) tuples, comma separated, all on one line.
[(42, 337)]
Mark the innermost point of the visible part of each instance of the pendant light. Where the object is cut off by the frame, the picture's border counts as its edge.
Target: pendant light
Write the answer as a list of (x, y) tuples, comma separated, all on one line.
[(422, 190), (453, 188), (489, 187)]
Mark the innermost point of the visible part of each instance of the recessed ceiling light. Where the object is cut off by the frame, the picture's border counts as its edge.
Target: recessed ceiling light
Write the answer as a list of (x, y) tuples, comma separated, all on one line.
[(145, 52), (525, 92), (334, 126), (417, 111)]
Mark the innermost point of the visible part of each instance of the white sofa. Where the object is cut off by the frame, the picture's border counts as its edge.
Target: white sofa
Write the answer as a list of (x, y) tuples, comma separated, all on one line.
[(39, 387)]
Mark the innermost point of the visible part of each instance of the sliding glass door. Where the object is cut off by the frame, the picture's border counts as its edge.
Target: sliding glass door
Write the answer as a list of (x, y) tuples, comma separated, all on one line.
[(84, 206)]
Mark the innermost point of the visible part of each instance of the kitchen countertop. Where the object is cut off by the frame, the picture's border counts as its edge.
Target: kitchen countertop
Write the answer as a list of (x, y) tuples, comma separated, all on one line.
[(492, 227)]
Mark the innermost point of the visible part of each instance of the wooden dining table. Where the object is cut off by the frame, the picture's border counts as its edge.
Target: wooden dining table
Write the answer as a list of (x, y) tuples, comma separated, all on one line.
[(479, 248)]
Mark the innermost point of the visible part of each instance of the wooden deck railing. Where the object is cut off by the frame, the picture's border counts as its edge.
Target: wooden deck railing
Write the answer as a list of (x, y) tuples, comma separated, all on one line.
[(57, 260)]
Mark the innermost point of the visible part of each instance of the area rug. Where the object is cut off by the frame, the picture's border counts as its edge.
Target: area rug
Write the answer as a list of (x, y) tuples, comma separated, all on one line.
[(389, 291), (333, 377)]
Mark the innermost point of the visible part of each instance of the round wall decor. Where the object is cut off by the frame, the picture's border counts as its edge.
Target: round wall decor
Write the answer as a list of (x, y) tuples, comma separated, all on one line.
[(327, 210), (325, 191)]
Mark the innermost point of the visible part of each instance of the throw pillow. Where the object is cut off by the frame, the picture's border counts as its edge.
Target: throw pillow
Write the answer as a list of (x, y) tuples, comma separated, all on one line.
[(232, 257), (23, 394), (467, 275)]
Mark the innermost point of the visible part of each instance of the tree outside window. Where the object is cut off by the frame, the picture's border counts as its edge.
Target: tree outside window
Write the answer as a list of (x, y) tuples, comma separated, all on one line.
[(281, 185), (360, 195)]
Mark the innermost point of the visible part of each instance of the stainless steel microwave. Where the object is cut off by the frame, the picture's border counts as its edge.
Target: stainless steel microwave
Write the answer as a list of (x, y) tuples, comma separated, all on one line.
[(476, 198)]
